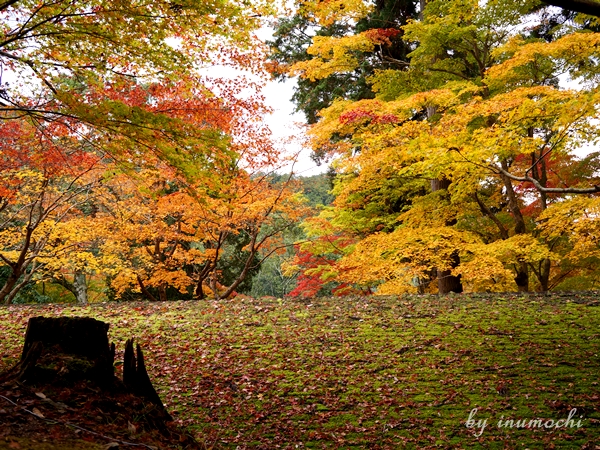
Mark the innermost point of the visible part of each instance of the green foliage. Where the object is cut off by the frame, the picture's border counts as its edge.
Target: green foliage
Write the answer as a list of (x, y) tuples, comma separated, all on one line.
[(317, 189), (270, 281)]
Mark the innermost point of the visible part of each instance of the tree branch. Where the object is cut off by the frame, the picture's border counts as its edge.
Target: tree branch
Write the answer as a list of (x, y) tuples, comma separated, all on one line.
[(6, 4), (581, 6), (526, 179), (488, 212), (547, 190)]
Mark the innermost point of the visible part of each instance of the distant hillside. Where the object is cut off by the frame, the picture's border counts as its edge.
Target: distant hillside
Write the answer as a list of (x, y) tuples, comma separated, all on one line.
[(317, 188)]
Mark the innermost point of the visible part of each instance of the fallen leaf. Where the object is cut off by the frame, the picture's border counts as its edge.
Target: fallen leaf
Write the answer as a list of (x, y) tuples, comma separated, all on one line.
[(131, 427)]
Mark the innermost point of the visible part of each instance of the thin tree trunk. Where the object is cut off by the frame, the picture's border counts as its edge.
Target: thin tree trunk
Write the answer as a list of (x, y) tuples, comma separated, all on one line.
[(446, 281), (145, 292), (540, 173), (544, 275), (199, 291), (80, 288), (17, 269), (26, 279), (522, 270), (7, 289), (488, 213), (422, 4), (162, 292)]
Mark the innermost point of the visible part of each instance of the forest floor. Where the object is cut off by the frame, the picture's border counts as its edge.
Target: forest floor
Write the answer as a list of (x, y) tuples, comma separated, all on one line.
[(376, 372)]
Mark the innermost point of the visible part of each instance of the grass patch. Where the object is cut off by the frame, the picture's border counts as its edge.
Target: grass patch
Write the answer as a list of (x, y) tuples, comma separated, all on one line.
[(380, 372)]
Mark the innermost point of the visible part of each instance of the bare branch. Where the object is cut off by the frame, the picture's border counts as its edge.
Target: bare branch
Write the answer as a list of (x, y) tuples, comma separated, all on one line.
[(527, 179)]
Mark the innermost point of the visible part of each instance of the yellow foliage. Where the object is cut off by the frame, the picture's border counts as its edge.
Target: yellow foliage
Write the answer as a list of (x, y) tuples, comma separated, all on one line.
[(578, 220), (326, 12), (395, 259), (332, 55), (485, 273), (482, 111), (571, 53)]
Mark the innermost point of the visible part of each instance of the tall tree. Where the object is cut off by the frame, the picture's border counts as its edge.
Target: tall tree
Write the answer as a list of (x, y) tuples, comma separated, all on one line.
[(340, 21), (481, 107)]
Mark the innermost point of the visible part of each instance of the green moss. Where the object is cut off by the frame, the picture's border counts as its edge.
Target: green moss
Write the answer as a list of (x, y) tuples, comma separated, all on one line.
[(348, 373)]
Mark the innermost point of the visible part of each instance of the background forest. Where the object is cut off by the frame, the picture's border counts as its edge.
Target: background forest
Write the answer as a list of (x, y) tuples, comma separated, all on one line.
[(461, 138)]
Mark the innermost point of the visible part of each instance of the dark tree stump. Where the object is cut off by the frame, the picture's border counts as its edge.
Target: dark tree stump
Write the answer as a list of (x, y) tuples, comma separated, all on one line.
[(82, 336), (66, 349), (135, 375), (66, 371)]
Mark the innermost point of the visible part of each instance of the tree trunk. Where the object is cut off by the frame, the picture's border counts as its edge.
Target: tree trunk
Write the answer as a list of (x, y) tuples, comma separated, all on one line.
[(145, 292), (80, 287), (539, 171), (162, 292), (199, 291), (522, 277), (543, 274), (17, 269), (446, 281), (26, 278), (6, 290)]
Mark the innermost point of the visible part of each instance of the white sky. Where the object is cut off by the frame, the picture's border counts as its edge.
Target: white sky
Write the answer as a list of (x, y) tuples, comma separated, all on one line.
[(289, 127)]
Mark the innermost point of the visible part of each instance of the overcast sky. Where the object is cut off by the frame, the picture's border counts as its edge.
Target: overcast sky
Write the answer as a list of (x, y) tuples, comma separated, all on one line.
[(285, 124), (288, 127)]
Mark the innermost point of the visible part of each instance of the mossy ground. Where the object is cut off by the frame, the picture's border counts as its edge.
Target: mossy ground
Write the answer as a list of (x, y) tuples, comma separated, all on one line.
[(377, 372)]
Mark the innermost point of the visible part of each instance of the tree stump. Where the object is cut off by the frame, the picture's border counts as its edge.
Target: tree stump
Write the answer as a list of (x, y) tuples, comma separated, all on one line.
[(66, 375), (135, 375), (66, 350)]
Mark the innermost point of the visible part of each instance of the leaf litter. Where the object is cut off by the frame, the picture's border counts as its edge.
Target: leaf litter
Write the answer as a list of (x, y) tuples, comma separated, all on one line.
[(362, 372)]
